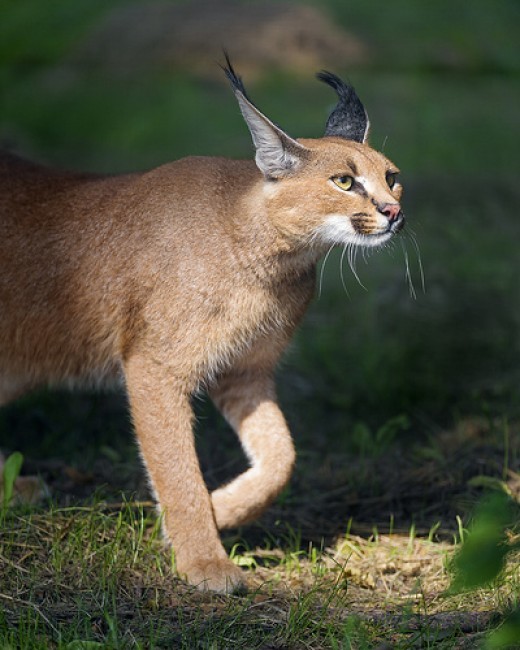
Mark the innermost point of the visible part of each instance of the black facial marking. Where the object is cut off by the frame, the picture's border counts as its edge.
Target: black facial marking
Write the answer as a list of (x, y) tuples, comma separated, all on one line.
[(358, 187), (362, 224), (353, 167)]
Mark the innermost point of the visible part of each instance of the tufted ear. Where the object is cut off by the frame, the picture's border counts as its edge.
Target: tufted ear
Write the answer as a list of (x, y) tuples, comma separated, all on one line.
[(349, 118), (277, 154)]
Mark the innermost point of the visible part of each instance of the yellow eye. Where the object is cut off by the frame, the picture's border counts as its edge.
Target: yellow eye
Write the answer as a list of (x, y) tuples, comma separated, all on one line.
[(391, 178), (343, 182)]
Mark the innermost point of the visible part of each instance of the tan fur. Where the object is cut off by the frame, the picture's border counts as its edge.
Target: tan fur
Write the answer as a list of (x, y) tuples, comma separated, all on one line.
[(193, 274)]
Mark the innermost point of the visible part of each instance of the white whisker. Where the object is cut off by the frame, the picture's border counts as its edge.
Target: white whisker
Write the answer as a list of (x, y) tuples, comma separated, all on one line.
[(419, 258), (341, 270), (320, 284), (352, 254), (390, 247), (408, 275)]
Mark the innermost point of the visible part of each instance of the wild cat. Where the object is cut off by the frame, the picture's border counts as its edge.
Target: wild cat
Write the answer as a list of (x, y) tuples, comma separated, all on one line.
[(194, 274)]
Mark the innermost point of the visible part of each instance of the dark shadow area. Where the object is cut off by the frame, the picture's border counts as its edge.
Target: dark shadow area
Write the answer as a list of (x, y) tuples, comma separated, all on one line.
[(413, 481)]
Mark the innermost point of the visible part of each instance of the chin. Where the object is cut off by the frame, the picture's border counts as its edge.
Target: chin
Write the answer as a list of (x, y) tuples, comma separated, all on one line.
[(373, 241)]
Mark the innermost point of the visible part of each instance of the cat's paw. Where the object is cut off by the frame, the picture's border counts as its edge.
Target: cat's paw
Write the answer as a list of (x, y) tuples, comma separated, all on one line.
[(230, 510), (219, 575)]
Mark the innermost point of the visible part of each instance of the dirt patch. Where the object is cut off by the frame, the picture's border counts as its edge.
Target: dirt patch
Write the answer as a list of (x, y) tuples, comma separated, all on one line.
[(258, 36)]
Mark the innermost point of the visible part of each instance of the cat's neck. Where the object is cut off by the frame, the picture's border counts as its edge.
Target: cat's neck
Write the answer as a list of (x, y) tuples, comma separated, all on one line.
[(261, 249)]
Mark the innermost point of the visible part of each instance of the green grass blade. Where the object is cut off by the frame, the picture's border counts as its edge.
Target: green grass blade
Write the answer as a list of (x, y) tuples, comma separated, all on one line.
[(11, 471)]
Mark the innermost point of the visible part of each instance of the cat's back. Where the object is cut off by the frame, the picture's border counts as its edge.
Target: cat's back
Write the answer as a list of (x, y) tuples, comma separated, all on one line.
[(198, 186), (34, 195)]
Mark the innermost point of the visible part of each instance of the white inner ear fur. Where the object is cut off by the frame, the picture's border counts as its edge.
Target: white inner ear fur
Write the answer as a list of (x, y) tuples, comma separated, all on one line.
[(273, 160), (276, 152)]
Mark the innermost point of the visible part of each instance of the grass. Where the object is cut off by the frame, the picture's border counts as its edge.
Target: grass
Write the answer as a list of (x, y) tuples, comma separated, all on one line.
[(354, 553), (100, 575), (404, 410)]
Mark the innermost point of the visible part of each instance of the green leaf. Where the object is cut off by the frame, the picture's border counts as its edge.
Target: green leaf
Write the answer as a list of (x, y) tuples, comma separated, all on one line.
[(388, 432), (482, 556), (11, 471), (507, 635)]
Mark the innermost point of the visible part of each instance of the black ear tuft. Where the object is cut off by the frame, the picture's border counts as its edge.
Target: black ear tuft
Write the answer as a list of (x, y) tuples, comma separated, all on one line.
[(349, 118), (277, 154), (232, 76)]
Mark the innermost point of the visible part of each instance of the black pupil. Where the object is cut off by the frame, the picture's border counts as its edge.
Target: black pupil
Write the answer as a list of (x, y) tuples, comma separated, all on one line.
[(390, 179)]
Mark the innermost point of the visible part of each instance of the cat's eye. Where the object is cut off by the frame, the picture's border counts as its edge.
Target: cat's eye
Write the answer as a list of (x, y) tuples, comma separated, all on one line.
[(343, 182), (391, 178)]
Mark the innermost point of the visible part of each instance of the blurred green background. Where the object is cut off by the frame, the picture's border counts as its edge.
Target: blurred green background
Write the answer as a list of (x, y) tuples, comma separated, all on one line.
[(441, 85)]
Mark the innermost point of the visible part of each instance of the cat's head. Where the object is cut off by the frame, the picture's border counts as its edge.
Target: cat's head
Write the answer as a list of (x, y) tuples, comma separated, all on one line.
[(331, 190)]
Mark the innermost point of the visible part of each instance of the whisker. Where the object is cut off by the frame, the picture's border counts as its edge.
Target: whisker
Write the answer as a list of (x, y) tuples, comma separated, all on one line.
[(419, 258), (320, 284), (408, 275), (389, 246), (384, 144), (341, 270), (352, 263)]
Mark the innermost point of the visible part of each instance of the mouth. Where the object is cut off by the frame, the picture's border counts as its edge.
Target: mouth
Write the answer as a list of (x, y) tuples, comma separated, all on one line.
[(392, 228), (396, 226), (341, 229), (378, 238)]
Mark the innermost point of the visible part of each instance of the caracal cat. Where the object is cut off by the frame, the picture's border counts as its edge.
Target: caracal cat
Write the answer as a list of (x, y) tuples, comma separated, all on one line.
[(191, 275)]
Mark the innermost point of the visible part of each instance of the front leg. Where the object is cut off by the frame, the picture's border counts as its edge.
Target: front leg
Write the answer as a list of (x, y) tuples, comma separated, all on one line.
[(162, 417), (247, 400)]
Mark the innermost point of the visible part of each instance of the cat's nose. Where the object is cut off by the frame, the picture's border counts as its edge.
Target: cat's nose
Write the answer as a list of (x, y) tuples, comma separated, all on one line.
[(391, 211)]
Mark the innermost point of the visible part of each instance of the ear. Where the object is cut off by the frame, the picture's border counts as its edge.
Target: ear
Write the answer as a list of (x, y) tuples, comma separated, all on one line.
[(277, 154), (349, 118)]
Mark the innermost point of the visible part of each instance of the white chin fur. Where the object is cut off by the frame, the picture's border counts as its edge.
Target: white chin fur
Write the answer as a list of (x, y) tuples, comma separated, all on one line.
[(337, 229)]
